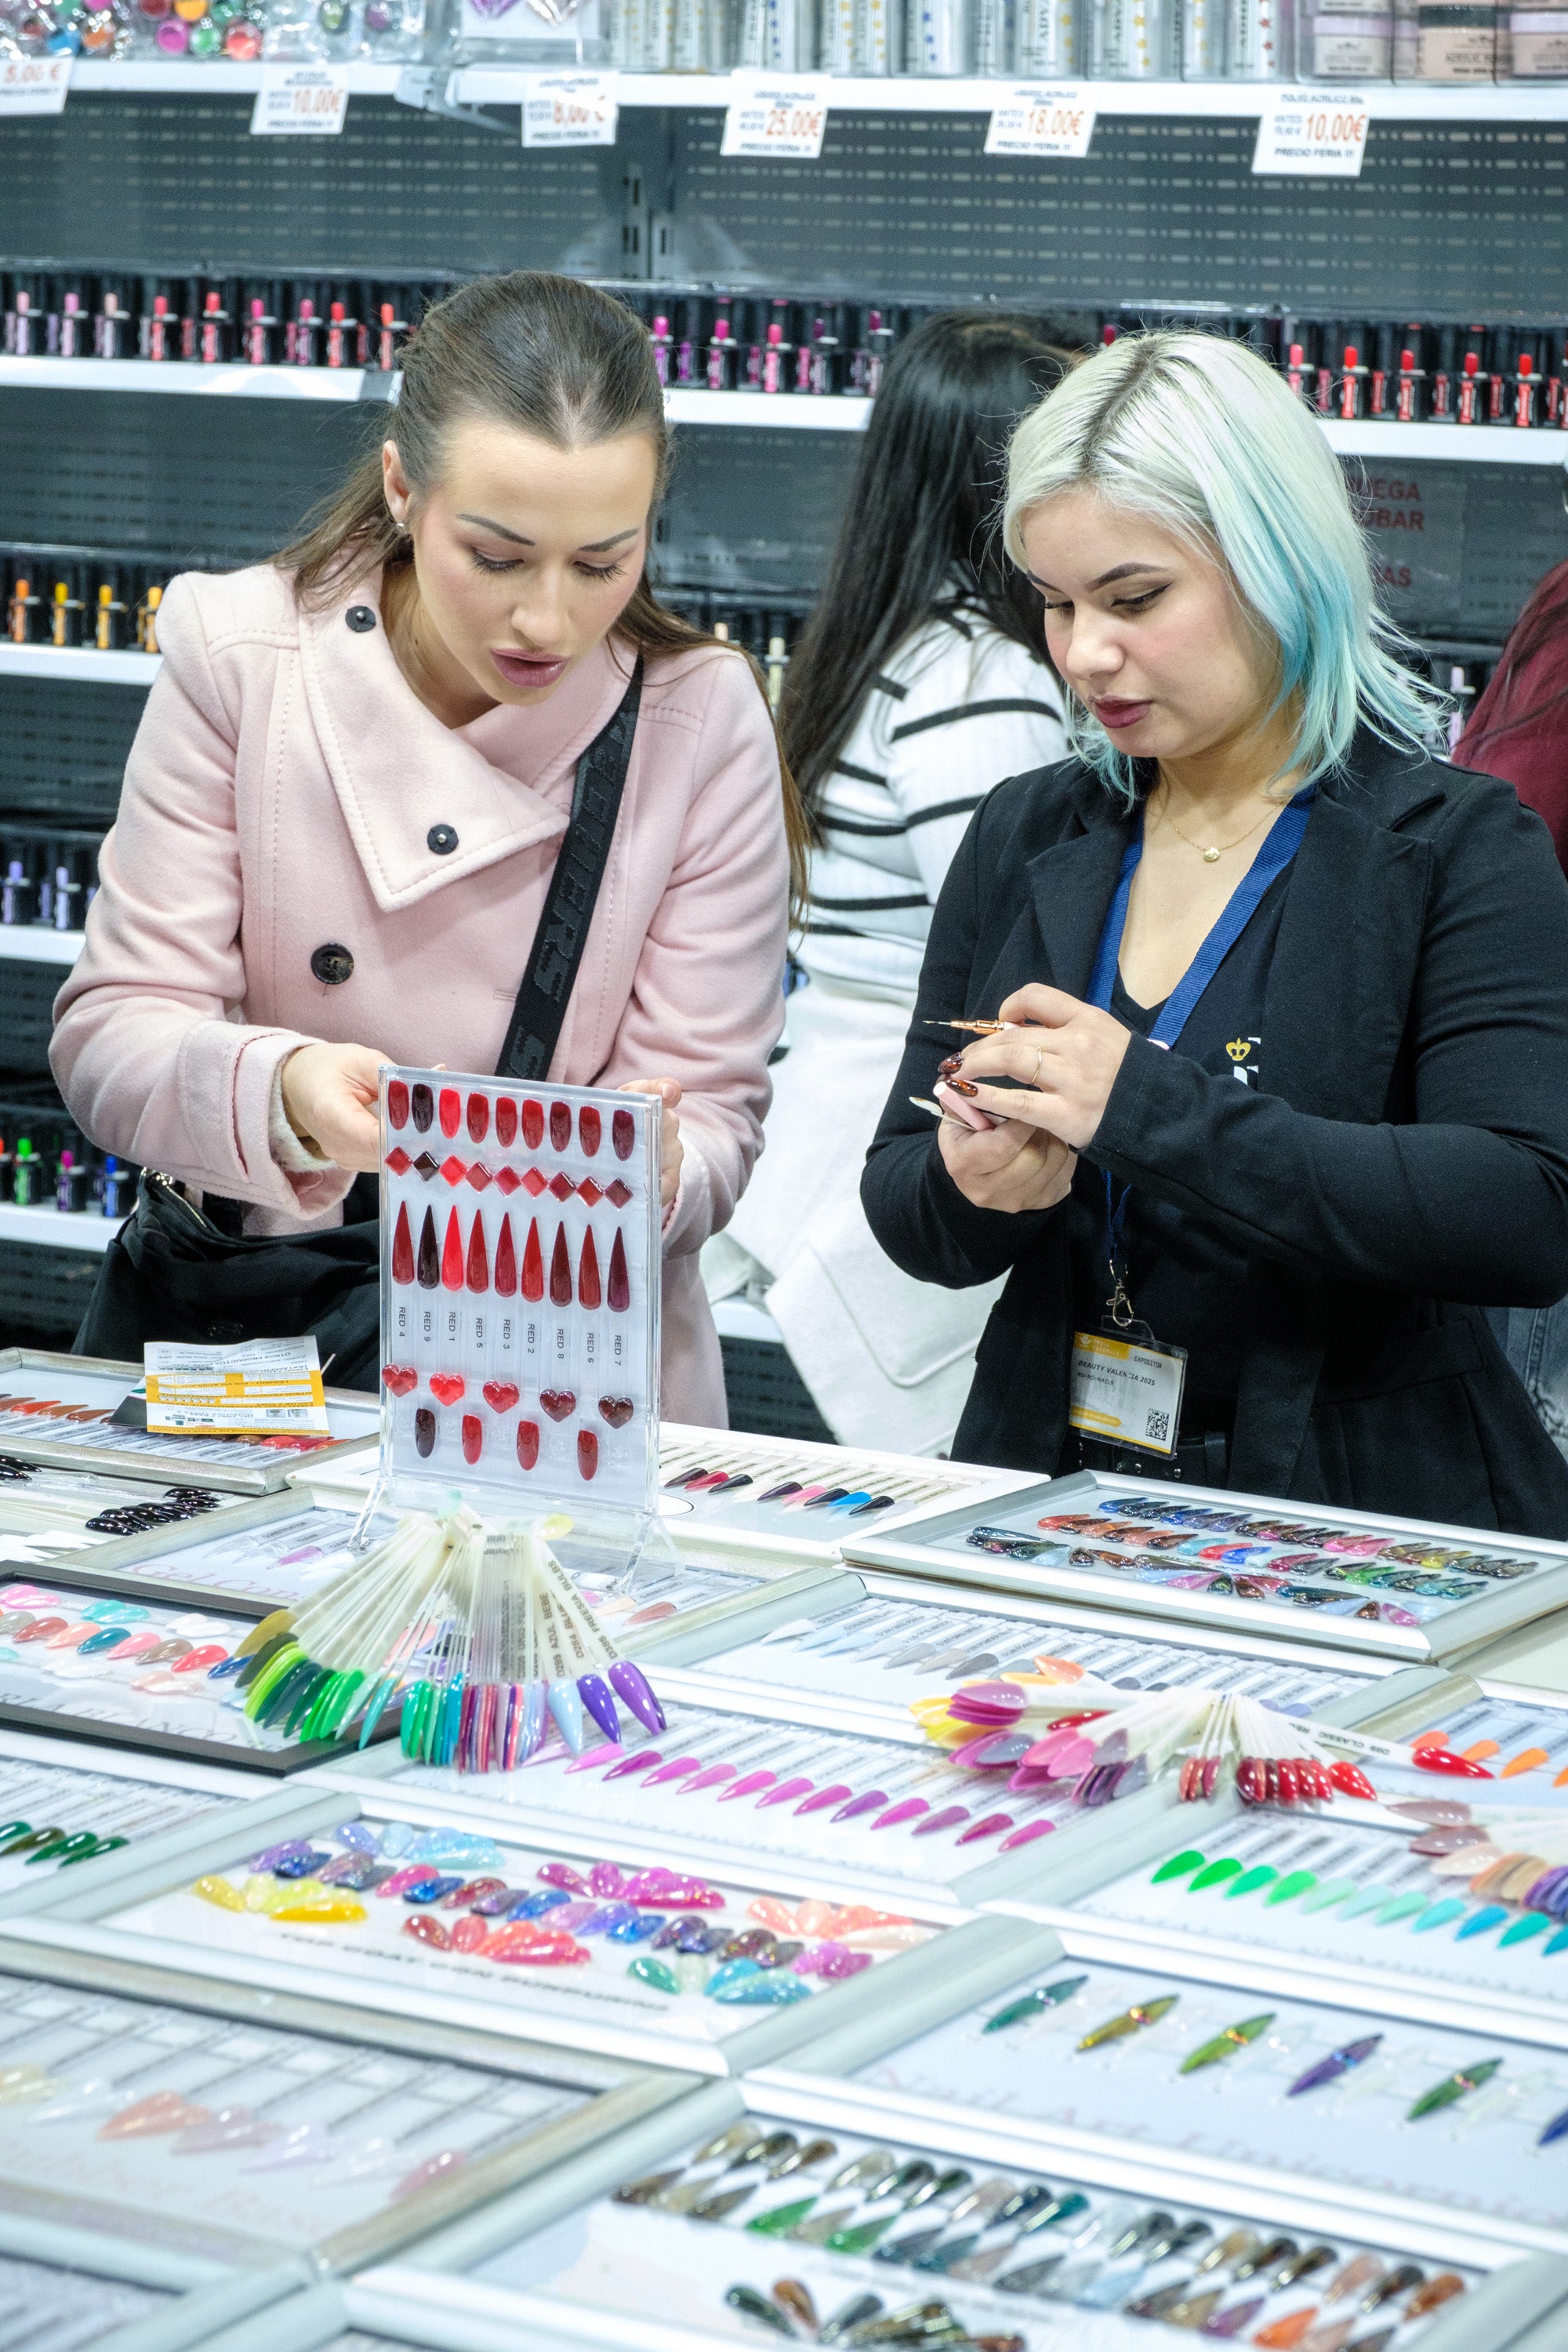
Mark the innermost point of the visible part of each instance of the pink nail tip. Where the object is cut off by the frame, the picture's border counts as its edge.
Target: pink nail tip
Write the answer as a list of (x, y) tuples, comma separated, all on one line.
[(798, 1786), (909, 1810), (1030, 1831), (832, 1795), (748, 1785), (987, 1826), (709, 1780), (864, 1804), (949, 1818), (676, 1770), (595, 1756), (643, 1763)]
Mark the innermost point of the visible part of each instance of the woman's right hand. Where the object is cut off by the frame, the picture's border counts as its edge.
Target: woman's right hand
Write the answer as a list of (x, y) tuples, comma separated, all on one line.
[(1010, 1167), (329, 1099)]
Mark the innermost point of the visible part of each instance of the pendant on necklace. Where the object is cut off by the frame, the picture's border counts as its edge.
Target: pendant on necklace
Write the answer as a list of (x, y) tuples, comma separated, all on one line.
[(1210, 857)]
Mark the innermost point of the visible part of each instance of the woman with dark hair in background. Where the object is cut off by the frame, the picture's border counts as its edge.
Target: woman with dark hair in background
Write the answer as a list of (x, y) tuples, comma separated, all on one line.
[(920, 682)]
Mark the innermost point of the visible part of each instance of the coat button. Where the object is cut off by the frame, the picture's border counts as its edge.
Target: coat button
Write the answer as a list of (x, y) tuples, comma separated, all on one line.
[(332, 964), (360, 618), (442, 839)]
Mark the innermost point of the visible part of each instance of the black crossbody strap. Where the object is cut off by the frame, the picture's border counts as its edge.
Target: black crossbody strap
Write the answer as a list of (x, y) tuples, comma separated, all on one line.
[(569, 903)]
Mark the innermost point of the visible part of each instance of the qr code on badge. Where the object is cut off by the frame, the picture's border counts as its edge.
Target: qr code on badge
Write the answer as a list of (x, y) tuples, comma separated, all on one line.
[(1157, 1427)]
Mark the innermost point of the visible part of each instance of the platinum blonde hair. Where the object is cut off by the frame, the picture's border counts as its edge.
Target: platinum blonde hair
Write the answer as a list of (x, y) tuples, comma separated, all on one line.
[(1201, 436)]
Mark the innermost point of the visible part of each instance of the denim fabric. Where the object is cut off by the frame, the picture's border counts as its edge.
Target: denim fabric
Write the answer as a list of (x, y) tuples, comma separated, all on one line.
[(1535, 1342)]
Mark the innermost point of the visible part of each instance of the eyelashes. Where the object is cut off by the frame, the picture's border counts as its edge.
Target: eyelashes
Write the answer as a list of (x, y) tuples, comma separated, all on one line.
[(511, 564)]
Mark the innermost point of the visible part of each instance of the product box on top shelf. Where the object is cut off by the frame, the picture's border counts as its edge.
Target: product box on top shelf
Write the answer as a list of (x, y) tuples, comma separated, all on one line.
[(257, 2129), (1401, 1588), (810, 2210)]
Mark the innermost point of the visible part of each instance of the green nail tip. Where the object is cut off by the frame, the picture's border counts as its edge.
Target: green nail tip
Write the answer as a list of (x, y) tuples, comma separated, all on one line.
[(1225, 2044), (1142, 2013), (1034, 2003), (1438, 1914), (650, 1970), (1332, 1891), (1216, 1874), (1402, 1906), (1367, 1900), (779, 2219), (1528, 1924), (1262, 1875), (1178, 1866), (1453, 2086), (1294, 1882), (863, 2235)]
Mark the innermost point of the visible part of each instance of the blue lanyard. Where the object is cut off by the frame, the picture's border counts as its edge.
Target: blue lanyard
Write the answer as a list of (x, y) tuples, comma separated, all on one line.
[(1279, 847)]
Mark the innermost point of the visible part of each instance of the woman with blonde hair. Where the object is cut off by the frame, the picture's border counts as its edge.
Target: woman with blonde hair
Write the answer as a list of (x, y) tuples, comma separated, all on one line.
[(1281, 1095)]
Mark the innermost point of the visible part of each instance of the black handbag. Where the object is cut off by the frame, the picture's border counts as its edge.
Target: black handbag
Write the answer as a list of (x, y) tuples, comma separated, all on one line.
[(178, 1272)]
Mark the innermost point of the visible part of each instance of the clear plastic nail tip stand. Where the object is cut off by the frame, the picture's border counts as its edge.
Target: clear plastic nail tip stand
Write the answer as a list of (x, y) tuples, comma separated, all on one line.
[(520, 1302), (768, 2193)]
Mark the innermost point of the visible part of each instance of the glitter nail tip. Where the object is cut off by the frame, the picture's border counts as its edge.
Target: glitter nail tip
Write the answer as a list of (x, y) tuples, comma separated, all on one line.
[(624, 1134), (396, 1102)]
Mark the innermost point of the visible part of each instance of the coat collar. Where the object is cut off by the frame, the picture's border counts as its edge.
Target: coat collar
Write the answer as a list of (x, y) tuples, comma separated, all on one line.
[(504, 784)]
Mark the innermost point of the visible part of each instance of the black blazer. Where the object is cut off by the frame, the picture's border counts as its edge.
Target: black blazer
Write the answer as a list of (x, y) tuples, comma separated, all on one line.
[(1408, 1167)]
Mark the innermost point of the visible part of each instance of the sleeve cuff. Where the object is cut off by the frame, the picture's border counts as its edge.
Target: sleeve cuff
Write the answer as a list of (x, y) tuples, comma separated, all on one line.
[(289, 1151)]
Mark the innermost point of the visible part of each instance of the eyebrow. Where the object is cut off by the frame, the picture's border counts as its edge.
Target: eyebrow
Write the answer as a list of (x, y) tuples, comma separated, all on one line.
[(592, 547), (1119, 571)]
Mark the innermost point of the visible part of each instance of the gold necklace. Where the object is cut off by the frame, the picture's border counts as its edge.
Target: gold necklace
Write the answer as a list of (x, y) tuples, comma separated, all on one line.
[(1215, 850)]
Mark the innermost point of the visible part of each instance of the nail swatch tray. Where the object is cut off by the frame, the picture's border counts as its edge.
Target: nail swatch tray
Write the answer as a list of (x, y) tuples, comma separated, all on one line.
[(787, 1498), (62, 2289), (1144, 1546), (213, 2122), (1520, 1744), (1478, 2156), (570, 2244), (56, 1408), (148, 1910)]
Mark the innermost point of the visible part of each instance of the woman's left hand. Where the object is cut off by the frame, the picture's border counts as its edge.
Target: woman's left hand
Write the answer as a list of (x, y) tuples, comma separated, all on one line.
[(671, 1149), (1065, 1059)]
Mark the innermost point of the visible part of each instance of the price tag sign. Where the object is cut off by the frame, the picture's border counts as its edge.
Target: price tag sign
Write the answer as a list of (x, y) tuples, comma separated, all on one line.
[(33, 85), (1309, 134), (570, 109), (1033, 118), (770, 116), (300, 102)]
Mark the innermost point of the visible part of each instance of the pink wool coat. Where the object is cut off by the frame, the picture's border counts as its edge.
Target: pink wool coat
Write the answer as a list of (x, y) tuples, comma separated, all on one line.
[(281, 795)]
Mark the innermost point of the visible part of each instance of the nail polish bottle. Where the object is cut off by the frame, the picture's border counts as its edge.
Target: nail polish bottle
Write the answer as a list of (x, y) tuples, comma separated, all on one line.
[(147, 619), (827, 353), (663, 342), (1440, 407), (111, 322), (1470, 395), (1556, 373), (66, 610), (1503, 355), (24, 1173), (881, 337), (775, 661), (1409, 404), (6, 1167), (1329, 342), (777, 349), (1352, 385), (390, 332), (1384, 364), (302, 328), (71, 325), (722, 349), (71, 1185), (111, 1195), (687, 340), (68, 892), (193, 294), (159, 330), (1526, 387), (24, 610), (13, 892), (213, 336), (1297, 377)]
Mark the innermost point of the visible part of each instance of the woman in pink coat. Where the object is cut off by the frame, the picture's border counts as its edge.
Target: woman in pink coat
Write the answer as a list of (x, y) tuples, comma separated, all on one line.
[(344, 801)]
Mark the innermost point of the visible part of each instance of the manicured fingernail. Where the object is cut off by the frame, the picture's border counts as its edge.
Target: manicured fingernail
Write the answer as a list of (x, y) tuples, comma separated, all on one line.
[(954, 1062), (962, 1087)]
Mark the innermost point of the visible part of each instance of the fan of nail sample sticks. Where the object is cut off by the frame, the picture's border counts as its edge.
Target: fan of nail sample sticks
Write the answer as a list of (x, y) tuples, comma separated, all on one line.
[(478, 1631), (1106, 1743)]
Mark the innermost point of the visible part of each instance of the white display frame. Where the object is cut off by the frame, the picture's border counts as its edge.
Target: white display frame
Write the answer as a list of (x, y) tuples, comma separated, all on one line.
[(910, 1551), (207, 2296)]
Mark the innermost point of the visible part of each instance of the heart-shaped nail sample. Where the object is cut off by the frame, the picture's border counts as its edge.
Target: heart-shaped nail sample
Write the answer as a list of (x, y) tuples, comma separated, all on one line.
[(500, 1395), (559, 1403), (616, 1410), (447, 1387), (399, 1378)]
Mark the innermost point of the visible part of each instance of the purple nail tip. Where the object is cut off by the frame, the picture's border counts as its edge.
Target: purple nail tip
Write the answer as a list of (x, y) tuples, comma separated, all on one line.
[(832, 1795), (292, 1849), (784, 1790), (865, 1804), (631, 1684), (947, 1818), (594, 1693), (1230, 2323)]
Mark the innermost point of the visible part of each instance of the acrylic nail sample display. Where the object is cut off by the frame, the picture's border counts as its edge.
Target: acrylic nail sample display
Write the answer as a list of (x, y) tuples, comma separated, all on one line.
[(1446, 1900), (57, 1816), (1136, 1545), (902, 1642), (1506, 1751), (656, 1963), (63, 1409), (279, 1562), (520, 1297), (210, 2135), (49, 1513), (720, 1787), (793, 2223), (1335, 2094)]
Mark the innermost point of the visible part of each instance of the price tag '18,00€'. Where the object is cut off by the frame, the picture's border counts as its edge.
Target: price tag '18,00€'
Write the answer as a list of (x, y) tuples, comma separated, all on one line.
[(1033, 118), (770, 116), (1311, 134), (300, 102)]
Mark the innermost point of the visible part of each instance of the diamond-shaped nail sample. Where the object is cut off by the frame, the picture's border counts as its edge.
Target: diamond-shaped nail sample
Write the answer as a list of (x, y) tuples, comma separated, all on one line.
[(507, 1181), (590, 1191), (561, 1186), (426, 1166), (534, 1183), (397, 1160), (454, 1170), (478, 1176), (618, 1192)]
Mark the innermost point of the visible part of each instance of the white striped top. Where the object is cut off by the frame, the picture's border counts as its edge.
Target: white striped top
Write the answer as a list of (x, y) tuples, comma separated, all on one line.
[(958, 709)]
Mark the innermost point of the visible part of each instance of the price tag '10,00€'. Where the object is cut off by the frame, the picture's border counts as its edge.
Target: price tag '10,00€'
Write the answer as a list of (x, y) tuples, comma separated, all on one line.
[(1033, 118)]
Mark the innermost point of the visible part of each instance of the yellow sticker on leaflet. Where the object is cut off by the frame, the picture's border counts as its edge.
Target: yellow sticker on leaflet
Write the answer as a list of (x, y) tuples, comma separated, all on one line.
[(258, 1388), (1125, 1393)]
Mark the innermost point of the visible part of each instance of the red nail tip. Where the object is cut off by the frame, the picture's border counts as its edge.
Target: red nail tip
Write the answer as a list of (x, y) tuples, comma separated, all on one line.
[(473, 1436), (532, 1263), (560, 1125), (454, 1170), (505, 1275), (589, 1191), (397, 1160), (401, 1379), (429, 1259), (588, 1288), (532, 1123), (527, 1444), (402, 1247), (616, 1410), (561, 1186), (447, 1387), (559, 1403), (422, 1104), (396, 1103), (624, 1134), (534, 1183), (561, 1270), (590, 1129), (506, 1122), (452, 1254), (451, 1110), (618, 1192), (587, 1453), (479, 1258), (425, 1431), (507, 1181), (480, 1176), (987, 1826), (500, 1395), (479, 1117), (619, 1286)]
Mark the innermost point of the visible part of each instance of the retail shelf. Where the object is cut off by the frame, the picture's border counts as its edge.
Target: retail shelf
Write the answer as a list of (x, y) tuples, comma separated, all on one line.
[(1451, 444), (232, 380), (214, 80), (49, 1229), (81, 663), (790, 413), (35, 943)]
